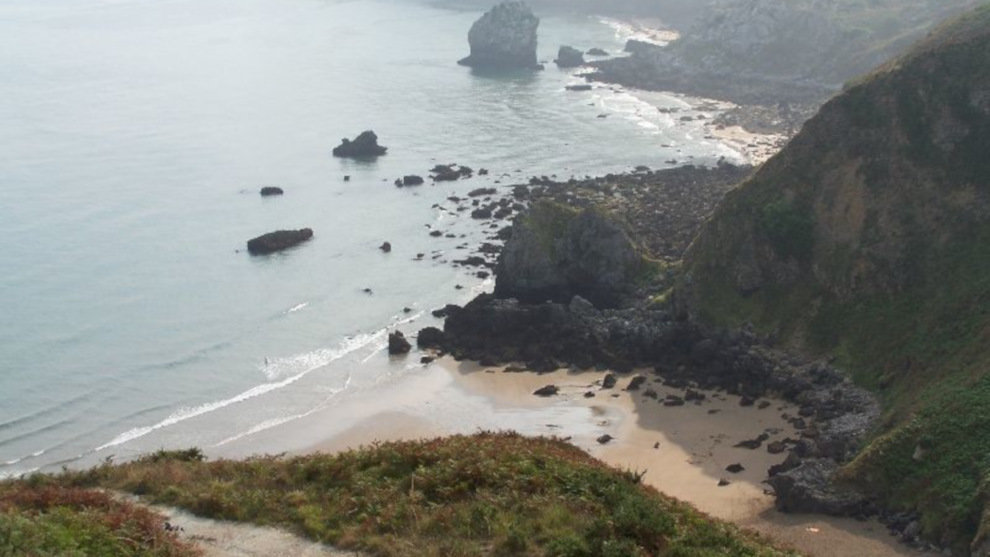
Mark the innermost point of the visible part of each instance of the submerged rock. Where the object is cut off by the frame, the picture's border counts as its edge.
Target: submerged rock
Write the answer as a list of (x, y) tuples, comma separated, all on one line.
[(504, 38), (569, 57), (364, 146), (278, 240), (597, 52)]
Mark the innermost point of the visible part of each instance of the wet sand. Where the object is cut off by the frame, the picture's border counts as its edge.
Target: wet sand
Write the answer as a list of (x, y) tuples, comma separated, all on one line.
[(684, 450)]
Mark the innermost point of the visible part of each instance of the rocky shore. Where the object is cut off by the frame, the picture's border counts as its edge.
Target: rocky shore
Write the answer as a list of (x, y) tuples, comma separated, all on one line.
[(662, 211)]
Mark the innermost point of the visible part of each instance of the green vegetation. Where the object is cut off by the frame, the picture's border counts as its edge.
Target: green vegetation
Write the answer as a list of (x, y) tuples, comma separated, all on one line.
[(500, 494), (790, 230), (894, 281), (58, 521)]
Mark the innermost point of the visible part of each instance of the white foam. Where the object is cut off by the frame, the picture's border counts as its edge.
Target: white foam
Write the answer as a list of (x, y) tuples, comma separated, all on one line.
[(297, 307), (299, 366)]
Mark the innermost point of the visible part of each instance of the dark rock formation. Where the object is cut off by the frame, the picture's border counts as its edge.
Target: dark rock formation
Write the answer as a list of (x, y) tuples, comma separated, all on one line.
[(504, 38), (556, 253), (278, 240), (430, 337), (386, 247), (808, 488), (397, 343), (580, 87), (569, 57), (597, 52), (271, 190), (364, 146), (549, 390), (412, 180)]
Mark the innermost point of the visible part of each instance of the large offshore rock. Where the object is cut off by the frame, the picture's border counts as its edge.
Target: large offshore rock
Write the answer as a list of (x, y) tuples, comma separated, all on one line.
[(504, 38), (363, 146), (278, 240)]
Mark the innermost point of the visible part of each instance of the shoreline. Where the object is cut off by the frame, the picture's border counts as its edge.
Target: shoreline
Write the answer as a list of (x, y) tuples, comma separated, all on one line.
[(695, 441)]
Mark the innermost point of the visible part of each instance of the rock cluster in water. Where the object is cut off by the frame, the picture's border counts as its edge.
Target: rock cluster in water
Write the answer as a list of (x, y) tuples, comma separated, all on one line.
[(278, 240), (504, 38), (363, 146)]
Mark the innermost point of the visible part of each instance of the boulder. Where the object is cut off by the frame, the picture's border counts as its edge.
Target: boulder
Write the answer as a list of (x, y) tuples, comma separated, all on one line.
[(278, 240), (412, 180), (363, 146), (386, 247), (569, 57), (504, 38), (397, 343), (549, 390), (271, 190)]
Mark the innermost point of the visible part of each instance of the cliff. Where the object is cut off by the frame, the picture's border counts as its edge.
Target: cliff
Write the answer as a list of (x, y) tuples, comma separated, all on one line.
[(867, 239), (757, 51)]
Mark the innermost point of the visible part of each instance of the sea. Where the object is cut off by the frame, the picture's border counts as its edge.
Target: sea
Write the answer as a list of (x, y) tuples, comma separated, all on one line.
[(134, 138)]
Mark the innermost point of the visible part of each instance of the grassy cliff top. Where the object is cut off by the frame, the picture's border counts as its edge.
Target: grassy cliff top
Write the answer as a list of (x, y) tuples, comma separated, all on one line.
[(500, 494)]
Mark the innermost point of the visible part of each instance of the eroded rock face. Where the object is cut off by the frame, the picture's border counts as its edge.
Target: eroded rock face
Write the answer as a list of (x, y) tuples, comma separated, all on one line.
[(504, 38), (278, 240), (363, 146), (556, 253)]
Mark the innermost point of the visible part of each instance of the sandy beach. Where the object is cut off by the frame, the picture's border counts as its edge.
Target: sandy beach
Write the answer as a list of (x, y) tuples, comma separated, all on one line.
[(683, 450)]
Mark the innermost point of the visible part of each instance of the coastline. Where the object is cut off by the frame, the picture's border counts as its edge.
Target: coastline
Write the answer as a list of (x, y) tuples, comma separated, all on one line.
[(695, 440)]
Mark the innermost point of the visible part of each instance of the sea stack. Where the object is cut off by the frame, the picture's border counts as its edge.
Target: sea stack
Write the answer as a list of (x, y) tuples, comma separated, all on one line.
[(504, 38), (364, 146)]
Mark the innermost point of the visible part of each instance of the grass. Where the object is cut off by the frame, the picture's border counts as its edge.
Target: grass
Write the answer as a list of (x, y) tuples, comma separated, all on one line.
[(64, 521), (486, 494)]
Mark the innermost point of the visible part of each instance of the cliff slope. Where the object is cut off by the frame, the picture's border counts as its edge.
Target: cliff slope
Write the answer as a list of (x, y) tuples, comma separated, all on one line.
[(867, 239)]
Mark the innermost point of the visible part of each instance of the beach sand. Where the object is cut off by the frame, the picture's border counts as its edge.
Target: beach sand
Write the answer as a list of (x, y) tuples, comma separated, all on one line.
[(683, 450)]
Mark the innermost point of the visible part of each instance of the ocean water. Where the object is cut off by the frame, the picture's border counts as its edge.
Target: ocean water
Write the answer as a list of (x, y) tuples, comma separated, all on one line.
[(134, 136)]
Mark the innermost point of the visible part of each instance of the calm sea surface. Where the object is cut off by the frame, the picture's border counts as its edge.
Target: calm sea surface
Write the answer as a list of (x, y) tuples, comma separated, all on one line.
[(134, 136)]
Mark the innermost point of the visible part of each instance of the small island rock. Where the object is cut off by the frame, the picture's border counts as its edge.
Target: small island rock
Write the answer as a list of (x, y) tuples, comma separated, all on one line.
[(271, 190), (278, 240), (363, 146), (569, 57), (504, 38)]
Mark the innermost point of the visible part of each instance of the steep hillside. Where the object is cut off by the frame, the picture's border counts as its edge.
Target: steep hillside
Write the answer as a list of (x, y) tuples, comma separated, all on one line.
[(868, 239)]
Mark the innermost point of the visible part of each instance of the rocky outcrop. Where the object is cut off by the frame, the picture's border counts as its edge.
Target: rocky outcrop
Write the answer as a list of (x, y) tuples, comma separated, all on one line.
[(504, 38), (412, 180), (397, 343), (363, 146), (569, 57), (556, 253), (271, 190), (278, 240), (807, 488)]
